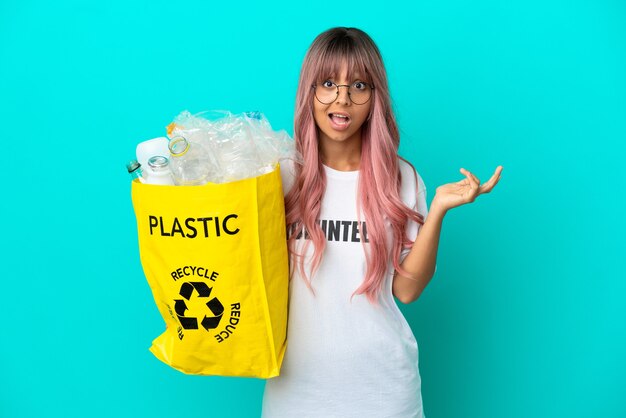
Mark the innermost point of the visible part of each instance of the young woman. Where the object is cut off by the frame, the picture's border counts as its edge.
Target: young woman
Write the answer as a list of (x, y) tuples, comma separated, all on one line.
[(354, 209)]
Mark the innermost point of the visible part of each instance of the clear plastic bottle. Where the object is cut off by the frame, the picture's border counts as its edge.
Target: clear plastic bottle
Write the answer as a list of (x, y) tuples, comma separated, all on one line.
[(188, 162), (134, 169), (149, 148), (158, 171), (237, 151)]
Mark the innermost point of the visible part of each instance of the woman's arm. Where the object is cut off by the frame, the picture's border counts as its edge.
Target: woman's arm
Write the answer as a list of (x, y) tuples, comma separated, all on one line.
[(420, 261)]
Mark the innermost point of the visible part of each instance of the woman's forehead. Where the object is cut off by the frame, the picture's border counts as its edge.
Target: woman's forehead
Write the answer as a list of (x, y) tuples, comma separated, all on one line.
[(345, 71), (352, 74)]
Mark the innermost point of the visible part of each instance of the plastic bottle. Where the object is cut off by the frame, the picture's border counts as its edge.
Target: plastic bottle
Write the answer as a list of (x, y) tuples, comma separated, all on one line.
[(158, 171), (188, 162), (134, 169), (150, 148)]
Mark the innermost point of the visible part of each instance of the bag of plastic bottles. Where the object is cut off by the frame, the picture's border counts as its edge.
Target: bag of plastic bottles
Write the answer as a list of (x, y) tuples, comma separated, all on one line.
[(215, 254), (219, 146)]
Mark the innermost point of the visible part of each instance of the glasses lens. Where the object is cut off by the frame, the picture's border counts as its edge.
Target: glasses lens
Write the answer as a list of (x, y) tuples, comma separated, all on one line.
[(326, 92), (360, 92)]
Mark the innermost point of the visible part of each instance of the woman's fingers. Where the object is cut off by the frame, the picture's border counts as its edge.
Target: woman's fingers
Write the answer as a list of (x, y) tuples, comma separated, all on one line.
[(472, 178), (486, 188), (475, 188), (475, 183)]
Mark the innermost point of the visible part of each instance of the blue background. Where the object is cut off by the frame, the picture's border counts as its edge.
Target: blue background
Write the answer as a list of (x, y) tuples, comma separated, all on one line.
[(526, 314)]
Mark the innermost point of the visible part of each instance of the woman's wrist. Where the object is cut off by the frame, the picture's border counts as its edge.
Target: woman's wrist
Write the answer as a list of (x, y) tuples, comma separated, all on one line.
[(437, 209)]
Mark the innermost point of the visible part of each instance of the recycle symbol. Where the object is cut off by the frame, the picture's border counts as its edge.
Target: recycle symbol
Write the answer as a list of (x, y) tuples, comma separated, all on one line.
[(214, 305)]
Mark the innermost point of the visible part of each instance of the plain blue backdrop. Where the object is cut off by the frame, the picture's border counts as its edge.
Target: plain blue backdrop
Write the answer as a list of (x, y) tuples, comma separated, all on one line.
[(525, 315)]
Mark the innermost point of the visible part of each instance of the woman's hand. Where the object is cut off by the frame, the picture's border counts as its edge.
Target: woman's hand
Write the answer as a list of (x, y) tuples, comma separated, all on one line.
[(451, 195)]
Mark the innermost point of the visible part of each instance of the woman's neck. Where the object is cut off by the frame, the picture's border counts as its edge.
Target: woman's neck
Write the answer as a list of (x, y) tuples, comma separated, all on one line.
[(341, 155)]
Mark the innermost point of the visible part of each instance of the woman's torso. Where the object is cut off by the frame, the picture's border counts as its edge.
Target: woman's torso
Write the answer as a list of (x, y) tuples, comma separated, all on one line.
[(344, 358)]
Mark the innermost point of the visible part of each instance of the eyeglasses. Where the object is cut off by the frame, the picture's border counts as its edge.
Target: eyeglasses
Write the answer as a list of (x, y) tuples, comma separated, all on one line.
[(327, 92)]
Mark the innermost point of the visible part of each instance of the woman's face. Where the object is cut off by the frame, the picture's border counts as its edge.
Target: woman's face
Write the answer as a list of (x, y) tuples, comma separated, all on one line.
[(333, 128)]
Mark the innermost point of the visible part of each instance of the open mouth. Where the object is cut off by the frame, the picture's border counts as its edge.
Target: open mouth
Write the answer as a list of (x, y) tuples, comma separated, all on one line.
[(339, 119)]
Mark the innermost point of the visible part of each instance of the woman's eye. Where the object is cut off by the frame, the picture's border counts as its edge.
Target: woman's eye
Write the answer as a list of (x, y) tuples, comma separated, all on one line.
[(327, 83), (359, 85)]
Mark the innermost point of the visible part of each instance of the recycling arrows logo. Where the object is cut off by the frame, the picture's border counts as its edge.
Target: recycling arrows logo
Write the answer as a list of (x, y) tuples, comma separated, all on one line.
[(215, 306)]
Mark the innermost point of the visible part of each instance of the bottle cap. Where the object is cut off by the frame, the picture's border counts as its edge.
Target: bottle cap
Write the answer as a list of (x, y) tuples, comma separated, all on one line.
[(253, 115), (178, 146), (158, 162), (132, 166)]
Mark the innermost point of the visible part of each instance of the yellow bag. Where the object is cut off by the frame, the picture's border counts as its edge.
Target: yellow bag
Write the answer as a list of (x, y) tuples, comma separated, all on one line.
[(215, 257)]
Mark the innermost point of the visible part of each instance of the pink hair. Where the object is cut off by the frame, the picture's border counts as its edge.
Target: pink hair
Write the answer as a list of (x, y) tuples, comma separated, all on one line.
[(379, 177)]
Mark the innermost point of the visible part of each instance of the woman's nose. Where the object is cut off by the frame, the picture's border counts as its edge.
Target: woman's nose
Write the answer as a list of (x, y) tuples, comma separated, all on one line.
[(344, 95)]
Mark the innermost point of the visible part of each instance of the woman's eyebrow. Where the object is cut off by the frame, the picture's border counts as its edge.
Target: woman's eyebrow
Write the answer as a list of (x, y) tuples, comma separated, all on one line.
[(354, 77)]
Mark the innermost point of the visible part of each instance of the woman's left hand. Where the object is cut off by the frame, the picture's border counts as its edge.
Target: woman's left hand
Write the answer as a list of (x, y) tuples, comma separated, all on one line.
[(451, 195)]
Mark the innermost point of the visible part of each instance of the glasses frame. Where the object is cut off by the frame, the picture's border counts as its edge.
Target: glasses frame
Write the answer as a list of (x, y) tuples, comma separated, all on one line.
[(314, 86)]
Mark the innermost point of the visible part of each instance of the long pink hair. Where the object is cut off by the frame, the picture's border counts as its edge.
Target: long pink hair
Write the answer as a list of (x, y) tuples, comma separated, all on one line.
[(379, 176)]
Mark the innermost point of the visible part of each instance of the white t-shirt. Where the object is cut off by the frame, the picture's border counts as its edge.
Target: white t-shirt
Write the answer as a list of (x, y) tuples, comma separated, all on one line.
[(347, 359)]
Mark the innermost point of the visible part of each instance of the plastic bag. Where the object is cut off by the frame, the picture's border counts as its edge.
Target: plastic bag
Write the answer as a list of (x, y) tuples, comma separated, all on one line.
[(215, 257), (232, 146)]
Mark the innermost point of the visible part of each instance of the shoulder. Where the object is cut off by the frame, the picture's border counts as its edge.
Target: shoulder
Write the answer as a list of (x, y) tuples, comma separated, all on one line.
[(287, 174), (411, 182)]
